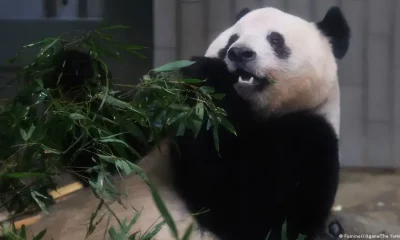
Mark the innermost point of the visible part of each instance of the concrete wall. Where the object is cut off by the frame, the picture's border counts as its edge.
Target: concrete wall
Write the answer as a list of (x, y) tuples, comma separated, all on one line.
[(370, 125)]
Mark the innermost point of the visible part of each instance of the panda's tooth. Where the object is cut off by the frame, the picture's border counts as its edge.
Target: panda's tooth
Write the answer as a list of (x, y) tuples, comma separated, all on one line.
[(240, 79), (251, 80)]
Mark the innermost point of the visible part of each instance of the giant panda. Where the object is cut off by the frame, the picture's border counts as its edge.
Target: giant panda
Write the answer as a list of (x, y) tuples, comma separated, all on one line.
[(285, 160), (279, 74)]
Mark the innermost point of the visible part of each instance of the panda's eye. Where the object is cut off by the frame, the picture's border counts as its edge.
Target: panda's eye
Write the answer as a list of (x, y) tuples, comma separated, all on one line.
[(275, 38), (277, 42)]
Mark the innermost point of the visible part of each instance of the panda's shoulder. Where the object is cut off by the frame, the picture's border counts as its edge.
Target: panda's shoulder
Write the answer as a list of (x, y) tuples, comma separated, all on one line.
[(306, 132), (304, 125), (299, 133)]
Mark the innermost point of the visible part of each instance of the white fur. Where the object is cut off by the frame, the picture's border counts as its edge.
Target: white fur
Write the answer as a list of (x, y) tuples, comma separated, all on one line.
[(219, 42), (307, 79)]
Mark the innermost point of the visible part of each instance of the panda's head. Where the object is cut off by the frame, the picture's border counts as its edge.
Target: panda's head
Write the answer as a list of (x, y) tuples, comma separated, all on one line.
[(284, 63)]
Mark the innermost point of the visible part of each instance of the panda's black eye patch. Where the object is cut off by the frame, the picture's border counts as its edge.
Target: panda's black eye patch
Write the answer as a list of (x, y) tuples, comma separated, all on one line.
[(276, 39), (277, 42), (222, 53)]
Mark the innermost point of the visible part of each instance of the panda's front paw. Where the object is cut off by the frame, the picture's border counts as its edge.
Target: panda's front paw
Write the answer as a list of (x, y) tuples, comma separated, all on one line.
[(335, 229)]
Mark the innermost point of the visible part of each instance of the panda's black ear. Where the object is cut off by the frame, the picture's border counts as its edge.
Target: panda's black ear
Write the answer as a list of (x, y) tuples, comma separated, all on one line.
[(335, 27), (242, 13)]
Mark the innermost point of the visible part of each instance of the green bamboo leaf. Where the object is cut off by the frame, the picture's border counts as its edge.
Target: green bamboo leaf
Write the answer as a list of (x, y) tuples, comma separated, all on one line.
[(77, 116), (41, 195), (134, 219), (174, 66), (92, 225), (23, 134), (113, 233), (192, 80), (115, 27), (40, 235), (225, 122), (48, 46), (41, 204), (218, 96), (37, 43), (188, 232), (50, 150), (133, 236), (284, 231), (209, 124), (154, 231), (179, 107), (117, 103), (135, 130), (114, 140), (195, 126), (138, 170), (269, 233), (23, 232), (200, 110), (110, 159), (105, 68), (181, 129), (30, 131), (207, 89), (176, 118), (23, 174), (164, 211), (216, 137), (124, 166)]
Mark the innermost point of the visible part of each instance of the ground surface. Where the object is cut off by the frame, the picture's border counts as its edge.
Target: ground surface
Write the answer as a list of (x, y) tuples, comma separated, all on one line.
[(368, 202)]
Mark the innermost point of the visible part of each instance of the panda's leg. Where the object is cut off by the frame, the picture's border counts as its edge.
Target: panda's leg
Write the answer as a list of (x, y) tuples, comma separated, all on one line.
[(314, 199)]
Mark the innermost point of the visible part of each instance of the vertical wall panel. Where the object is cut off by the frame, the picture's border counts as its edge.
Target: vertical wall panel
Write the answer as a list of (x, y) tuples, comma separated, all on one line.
[(165, 25), (301, 8), (350, 79), (379, 114), (192, 39), (273, 3), (378, 150), (396, 79), (163, 55), (240, 4), (351, 140), (220, 17), (378, 60), (165, 34)]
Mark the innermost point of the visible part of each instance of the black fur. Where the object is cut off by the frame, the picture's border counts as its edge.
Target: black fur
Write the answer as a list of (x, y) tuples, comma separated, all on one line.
[(277, 41), (335, 26), (276, 168), (242, 13), (222, 52)]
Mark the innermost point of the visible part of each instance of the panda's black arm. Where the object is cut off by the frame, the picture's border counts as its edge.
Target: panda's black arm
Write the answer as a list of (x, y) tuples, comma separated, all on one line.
[(214, 70), (319, 177)]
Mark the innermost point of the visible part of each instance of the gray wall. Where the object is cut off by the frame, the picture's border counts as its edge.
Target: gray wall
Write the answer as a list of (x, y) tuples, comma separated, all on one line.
[(370, 124)]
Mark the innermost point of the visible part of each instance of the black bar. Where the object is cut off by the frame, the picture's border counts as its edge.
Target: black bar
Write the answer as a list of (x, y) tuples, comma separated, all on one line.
[(50, 8)]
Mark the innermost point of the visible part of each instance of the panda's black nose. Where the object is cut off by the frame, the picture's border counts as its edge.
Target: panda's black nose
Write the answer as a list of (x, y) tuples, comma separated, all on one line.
[(241, 54)]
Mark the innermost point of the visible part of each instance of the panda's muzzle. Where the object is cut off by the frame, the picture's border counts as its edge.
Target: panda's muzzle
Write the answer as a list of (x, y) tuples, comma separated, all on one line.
[(241, 54), (248, 79), (240, 57)]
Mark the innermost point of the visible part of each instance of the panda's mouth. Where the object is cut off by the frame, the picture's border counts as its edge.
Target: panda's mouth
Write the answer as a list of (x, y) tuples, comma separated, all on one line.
[(249, 79)]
